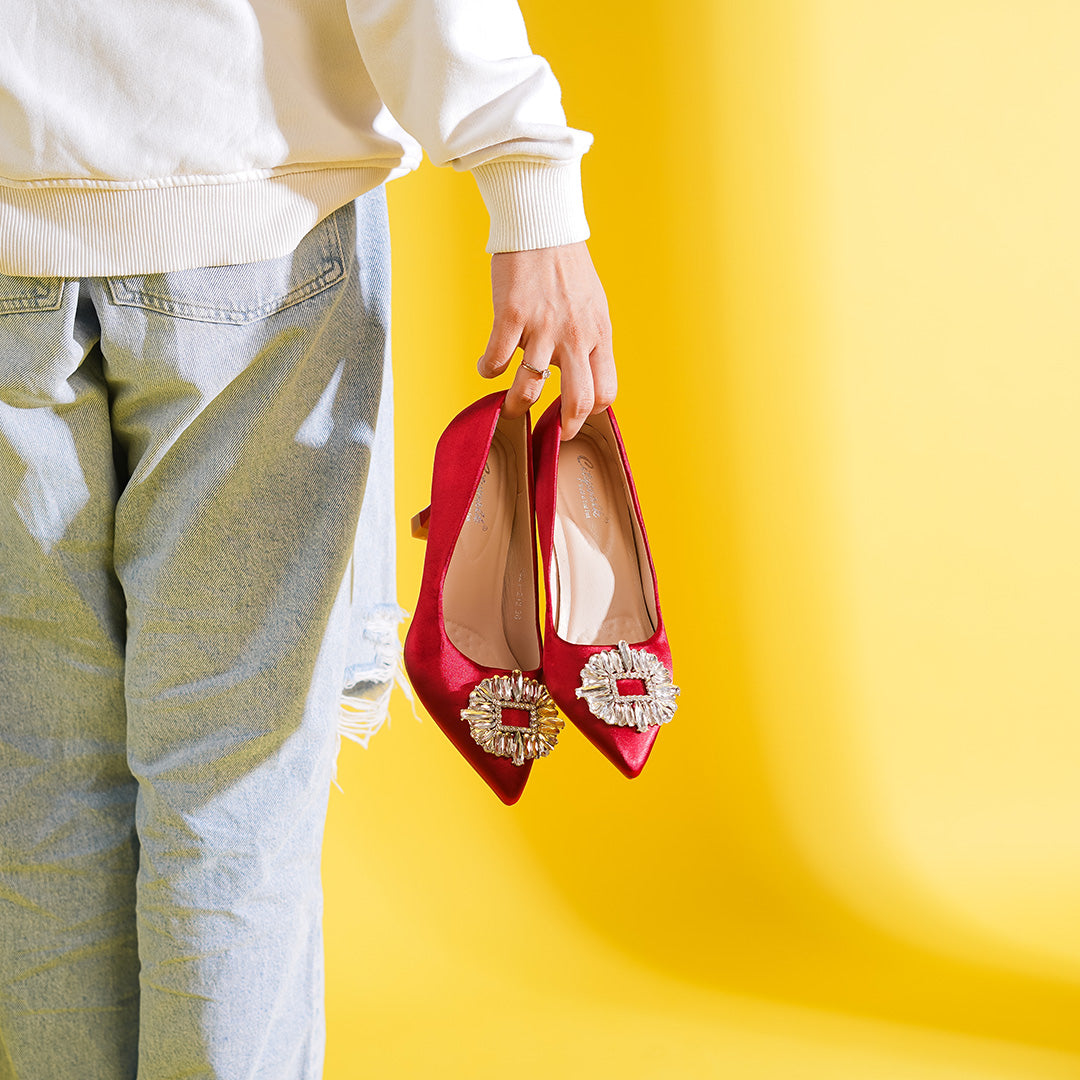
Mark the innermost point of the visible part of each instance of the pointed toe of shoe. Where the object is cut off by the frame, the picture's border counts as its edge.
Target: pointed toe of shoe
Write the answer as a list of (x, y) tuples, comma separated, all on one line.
[(509, 785), (630, 749), (500, 774), (626, 748)]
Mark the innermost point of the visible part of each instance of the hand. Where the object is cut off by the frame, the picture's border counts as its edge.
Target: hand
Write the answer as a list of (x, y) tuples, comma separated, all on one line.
[(550, 302)]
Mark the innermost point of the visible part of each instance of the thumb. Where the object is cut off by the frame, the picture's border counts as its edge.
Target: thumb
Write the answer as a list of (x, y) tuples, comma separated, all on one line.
[(504, 340)]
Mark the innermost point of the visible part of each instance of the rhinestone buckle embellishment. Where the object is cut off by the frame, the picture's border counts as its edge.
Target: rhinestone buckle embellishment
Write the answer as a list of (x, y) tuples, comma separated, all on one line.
[(484, 715), (599, 688)]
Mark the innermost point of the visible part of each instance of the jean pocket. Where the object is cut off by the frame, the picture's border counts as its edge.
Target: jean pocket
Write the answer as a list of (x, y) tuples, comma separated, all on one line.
[(246, 292), (19, 295)]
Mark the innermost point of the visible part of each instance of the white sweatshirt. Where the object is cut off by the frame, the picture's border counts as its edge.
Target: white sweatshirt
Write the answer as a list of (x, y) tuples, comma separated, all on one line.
[(139, 136)]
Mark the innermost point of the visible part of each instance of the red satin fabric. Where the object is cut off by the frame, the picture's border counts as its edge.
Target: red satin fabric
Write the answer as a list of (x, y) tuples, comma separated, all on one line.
[(626, 748), (441, 675)]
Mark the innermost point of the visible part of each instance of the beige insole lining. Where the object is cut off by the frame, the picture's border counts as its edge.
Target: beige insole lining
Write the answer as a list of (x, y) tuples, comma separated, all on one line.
[(602, 587), (488, 598)]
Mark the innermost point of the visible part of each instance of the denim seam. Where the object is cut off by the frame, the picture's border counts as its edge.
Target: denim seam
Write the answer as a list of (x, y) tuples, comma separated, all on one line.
[(124, 296), (44, 297)]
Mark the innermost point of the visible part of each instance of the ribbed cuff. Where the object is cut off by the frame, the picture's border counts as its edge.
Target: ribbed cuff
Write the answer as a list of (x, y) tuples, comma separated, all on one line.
[(532, 204)]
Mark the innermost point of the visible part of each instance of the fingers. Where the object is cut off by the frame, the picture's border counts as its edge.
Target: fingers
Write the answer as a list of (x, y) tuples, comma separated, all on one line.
[(549, 302), (527, 386), (504, 340), (576, 386), (589, 385), (605, 379)]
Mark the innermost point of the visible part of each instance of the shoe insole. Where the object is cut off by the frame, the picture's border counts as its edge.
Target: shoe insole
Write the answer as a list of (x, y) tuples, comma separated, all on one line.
[(488, 597), (603, 588)]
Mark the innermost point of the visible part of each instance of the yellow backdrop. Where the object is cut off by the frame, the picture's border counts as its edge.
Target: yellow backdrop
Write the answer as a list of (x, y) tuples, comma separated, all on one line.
[(840, 243)]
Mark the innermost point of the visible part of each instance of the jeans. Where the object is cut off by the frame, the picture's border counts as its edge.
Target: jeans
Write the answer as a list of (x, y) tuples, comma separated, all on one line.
[(185, 595)]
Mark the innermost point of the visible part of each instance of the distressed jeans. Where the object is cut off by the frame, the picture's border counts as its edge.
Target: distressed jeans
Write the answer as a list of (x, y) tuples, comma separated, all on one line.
[(192, 575)]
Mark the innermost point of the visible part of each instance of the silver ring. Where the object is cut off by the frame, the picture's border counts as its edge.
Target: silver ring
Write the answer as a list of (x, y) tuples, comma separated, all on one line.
[(544, 373)]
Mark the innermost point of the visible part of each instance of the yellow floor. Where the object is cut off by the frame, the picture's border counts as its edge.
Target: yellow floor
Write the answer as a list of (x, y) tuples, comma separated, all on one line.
[(456, 949)]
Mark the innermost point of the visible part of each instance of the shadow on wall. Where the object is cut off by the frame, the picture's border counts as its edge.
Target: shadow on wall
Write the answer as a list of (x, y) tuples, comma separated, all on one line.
[(776, 844)]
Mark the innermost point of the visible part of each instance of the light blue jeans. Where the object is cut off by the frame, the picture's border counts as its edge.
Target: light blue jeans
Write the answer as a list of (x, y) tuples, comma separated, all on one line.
[(185, 594)]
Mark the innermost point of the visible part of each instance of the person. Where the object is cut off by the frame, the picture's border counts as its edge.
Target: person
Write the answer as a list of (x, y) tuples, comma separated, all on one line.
[(195, 463)]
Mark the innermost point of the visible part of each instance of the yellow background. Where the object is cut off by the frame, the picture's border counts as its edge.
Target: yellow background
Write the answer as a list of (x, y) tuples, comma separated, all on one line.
[(841, 245)]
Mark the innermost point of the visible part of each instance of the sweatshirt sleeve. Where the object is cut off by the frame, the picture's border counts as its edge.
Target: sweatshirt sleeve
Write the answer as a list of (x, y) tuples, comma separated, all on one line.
[(460, 77)]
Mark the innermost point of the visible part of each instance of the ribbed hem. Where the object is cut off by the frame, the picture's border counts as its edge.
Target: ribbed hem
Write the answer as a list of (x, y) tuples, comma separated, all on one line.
[(94, 232), (532, 204)]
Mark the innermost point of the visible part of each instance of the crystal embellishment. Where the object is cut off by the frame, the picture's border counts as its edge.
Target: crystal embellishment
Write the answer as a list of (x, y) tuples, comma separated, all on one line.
[(525, 743), (599, 688)]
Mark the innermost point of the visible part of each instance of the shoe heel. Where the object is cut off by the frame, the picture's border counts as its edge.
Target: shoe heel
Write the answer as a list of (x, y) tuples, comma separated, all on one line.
[(420, 523)]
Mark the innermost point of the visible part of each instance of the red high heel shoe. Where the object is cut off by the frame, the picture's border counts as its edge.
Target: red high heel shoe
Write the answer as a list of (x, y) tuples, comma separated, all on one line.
[(607, 662), (472, 651)]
